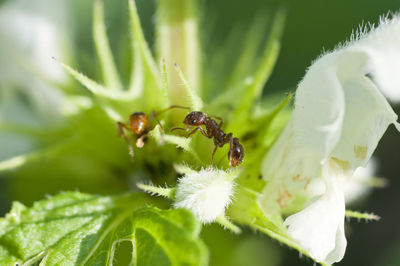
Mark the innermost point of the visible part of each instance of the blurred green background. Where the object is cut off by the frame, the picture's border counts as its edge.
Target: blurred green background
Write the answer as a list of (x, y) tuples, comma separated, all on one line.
[(311, 27)]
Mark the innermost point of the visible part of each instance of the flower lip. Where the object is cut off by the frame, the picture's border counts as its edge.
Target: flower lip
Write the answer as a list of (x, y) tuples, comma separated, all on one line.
[(319, 228)]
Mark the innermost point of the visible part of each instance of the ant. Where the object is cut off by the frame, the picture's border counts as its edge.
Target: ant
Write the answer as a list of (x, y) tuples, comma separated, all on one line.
[(140, 125), (213, 130)]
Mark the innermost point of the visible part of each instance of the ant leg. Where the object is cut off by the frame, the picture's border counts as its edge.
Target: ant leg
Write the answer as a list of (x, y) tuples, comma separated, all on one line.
[(230, 149), (140, 141), (204, 133), (131, 153), (221, 121), (201, 130), (212, 156), (121, 131), (121, 127), (193, 131), (154, 116)]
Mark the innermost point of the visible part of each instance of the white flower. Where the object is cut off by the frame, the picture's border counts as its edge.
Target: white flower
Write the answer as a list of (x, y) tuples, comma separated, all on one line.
[(35, 32), (31, 33), (339, 117), (206, 193)]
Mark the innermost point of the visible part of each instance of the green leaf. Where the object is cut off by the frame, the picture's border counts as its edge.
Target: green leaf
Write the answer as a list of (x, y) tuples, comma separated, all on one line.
[(79, 229), (107, 64)]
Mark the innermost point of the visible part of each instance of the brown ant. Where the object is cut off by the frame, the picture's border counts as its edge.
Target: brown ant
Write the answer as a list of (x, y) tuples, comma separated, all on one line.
[(140, 125), (213, 130)]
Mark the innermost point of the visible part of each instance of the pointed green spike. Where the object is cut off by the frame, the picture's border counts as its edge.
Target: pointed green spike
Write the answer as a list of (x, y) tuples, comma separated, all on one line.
[(158, 191), (138, 35), (180, 142), (195, 101), (362, 215), (264, 122), (13, 162), (227, 224), (107, 64), (267, 62), (96, 88), (269, 56), (164, 79), (145, 76), (184, 169), (249, 52)]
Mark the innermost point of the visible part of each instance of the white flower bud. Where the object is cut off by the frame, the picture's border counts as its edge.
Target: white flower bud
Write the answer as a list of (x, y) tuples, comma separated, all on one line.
[(206, 193)]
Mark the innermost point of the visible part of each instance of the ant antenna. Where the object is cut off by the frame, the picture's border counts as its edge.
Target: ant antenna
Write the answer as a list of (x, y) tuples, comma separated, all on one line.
[(175, 128), (172, 107)]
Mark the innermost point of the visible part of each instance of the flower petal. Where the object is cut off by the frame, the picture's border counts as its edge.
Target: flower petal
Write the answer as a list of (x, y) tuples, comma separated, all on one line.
[(319, 228), (308, 139), (381, 45), (368, 114)]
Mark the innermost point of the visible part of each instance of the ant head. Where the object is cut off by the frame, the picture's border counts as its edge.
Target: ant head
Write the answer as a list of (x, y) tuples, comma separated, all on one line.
[(236, 155), (195, 119), (138, 122)]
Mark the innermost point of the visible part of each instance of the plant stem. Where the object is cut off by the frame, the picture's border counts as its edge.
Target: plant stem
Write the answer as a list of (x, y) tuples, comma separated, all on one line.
[(178, 42)]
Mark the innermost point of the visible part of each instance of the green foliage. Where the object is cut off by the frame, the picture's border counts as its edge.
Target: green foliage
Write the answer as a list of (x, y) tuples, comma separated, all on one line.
[(84, 150), (148, 90), (80, 229)]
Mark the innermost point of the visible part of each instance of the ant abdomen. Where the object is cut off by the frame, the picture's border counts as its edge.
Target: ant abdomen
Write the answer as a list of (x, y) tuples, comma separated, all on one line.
[(236, 153), (138, 122)]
